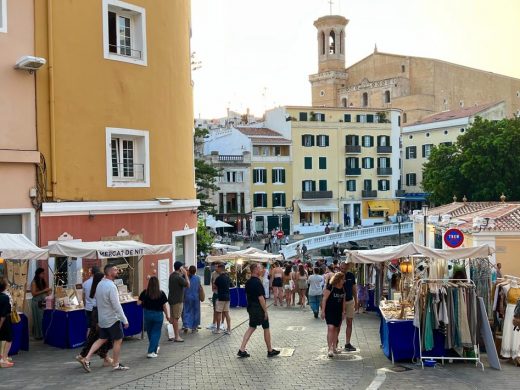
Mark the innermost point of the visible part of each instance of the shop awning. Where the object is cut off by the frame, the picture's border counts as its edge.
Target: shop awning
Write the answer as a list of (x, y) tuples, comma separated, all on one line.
[(375, 206), (19, 247), (106, 249), (415, 196), (396, 252), (315, 206)]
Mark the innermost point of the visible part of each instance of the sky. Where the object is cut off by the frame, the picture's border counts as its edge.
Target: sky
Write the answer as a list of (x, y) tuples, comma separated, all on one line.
[(258, 54)]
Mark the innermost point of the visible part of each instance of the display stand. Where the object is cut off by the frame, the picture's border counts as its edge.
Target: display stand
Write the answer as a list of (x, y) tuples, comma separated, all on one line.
[(476, 359)]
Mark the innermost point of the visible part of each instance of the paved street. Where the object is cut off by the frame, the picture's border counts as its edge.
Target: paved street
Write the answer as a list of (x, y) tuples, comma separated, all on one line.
[(207, 361)]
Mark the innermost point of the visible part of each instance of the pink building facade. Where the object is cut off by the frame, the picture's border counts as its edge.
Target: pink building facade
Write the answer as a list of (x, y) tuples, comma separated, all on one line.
[(19, 154)]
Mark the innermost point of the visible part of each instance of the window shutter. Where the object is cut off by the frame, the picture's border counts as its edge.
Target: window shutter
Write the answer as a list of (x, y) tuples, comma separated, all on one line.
[(303, 185), (282, 199), (274, 199), (303, 140), (407, 179), (326, 140), (380, 185), (314, 185), (348, 118), (407, 153), (273, 175), (358, 118), (283, 175), (312, 140), (424, 151), (265, 176), (370, 118)]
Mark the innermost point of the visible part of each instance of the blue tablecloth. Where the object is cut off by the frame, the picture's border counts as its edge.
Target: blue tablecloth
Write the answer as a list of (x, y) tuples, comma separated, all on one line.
[(64, 329), (20, 336), (237, 297), (134, 315), (400, 340)]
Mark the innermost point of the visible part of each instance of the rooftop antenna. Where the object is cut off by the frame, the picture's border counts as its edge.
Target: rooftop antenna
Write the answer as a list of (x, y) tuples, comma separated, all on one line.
[(330, 6)]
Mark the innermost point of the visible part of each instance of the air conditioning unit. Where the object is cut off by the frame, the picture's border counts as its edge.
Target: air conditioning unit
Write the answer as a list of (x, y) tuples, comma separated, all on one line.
[(30, 63)]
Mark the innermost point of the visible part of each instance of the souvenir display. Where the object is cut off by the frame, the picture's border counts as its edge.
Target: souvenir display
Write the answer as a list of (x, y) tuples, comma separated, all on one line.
[(17, 282)]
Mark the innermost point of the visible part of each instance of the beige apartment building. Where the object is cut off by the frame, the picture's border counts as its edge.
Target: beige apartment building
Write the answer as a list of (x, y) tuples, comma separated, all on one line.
[(19, 154), (418, 139), (418, 86)]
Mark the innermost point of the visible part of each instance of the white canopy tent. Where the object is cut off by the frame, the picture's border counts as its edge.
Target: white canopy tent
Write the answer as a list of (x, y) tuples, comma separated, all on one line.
[(106, 249), (249, 254), (217, 245), (19, 247), (395, 252)]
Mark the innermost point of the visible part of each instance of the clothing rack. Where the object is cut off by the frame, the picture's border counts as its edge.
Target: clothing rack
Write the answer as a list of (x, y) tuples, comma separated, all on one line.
[(476, 347)]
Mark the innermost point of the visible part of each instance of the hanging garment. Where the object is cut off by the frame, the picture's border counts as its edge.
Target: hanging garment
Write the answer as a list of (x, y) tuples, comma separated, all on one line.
[(510, 338), (473, 315), (451, 326), (428, 325), (465, 333)]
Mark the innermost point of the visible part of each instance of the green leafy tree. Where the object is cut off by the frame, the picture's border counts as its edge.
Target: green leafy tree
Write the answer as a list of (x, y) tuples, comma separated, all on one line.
[(482, 164), (205, 175), (204, 237)]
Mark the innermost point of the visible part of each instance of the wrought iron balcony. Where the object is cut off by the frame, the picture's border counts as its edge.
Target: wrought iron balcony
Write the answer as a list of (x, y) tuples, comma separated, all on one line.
[(384, 171), (369, 194), (400, 193), (316, 194), (384, 149), (353, 171), (353, 149)]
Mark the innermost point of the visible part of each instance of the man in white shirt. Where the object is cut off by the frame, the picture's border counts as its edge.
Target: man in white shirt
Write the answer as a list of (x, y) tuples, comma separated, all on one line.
[(110, 318), (88, 302)]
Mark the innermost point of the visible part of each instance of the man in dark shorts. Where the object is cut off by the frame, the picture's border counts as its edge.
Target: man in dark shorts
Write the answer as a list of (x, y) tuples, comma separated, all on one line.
[(257, 310), (111, 319), (350, 301)]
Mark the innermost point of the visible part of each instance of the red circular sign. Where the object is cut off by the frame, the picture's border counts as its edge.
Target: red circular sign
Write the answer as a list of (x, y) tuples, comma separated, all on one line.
[(279, 234), (453, 238)]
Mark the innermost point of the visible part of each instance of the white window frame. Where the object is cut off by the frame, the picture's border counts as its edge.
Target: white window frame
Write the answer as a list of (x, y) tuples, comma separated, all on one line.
[(279, 192), (138, 29), (259, 176), (3, 16), (278, 175), (260, 193), (142, 154)]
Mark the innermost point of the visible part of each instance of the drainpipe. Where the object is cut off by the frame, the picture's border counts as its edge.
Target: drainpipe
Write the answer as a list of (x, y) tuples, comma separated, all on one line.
[(50, 41)]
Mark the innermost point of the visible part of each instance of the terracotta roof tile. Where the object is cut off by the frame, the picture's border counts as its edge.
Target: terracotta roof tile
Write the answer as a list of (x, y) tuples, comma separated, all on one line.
[(453, 114), (258, 132), (264, 140)]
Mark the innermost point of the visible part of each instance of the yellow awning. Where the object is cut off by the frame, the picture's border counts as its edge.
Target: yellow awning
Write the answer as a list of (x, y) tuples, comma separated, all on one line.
[(376, 206)]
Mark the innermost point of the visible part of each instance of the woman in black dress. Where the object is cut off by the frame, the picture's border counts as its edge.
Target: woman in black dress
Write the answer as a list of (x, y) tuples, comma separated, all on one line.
[(6, 330), (333, 309)]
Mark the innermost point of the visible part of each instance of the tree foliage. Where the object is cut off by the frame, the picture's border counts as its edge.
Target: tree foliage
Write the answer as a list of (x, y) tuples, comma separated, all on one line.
[(205, 176), (204, 238), (482, 164)]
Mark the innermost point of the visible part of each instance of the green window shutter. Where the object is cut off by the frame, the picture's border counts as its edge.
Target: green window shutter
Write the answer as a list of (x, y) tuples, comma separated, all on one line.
[(273, 175), (264, 179), (326, 140), (303, 116), (282, 199), (265, 200), (308, 162), (283, 175), (303, 140), (348, 118), (323, 162), (314, 185), (303, 185), (312, 140), (358, 118), (274, 200), (323, 185), (370, 118)]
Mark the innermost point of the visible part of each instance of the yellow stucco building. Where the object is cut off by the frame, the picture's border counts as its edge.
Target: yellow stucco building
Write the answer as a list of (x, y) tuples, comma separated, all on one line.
[(115, 125)]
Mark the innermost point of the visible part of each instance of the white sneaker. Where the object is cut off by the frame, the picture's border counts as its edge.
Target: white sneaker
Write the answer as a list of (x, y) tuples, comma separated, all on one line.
[(157, 352), (152, 355), (211, 326)]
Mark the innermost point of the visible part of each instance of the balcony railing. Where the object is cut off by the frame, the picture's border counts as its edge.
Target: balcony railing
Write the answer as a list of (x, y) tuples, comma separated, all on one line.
[(400, 193), (316, 194), (353, 171), (384, 171), (384, 149), (369, 194), (127, 172), (353, 149), (230, 157)]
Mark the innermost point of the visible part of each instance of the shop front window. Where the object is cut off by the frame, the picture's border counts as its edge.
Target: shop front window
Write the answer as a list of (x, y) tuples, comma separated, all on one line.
[(325, 217), (305, 217)]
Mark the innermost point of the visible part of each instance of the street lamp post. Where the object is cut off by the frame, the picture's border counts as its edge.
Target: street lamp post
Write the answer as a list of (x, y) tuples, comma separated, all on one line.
[(425, 218)]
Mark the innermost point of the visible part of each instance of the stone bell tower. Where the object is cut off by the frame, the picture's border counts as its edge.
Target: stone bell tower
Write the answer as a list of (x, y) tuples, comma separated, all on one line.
[(331, 74)]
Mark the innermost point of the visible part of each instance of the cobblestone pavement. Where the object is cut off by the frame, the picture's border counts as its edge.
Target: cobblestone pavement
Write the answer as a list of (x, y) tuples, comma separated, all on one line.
[(207, 361)]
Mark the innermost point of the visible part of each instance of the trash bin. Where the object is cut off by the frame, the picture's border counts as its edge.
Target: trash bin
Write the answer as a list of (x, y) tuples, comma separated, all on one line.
[(207, 275)]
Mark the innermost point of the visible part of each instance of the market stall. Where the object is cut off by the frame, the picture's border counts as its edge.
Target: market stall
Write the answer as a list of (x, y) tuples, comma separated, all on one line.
[(239, 261), (16, 250), (432, 316), (64, 322)]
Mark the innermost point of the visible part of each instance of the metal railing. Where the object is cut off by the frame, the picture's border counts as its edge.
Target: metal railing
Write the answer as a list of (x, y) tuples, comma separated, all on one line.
[(127, 172), (316, 194), (369, 194), (352, 171), (125, 51), (384, 171), (384, 149), (326, 240), (353, 149)]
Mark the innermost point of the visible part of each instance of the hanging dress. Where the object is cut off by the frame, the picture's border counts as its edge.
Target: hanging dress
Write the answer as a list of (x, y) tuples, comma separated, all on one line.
[(510, 337)]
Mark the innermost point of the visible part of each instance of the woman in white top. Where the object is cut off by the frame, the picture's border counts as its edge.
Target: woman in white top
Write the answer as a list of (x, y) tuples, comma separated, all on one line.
[(316, 283)]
